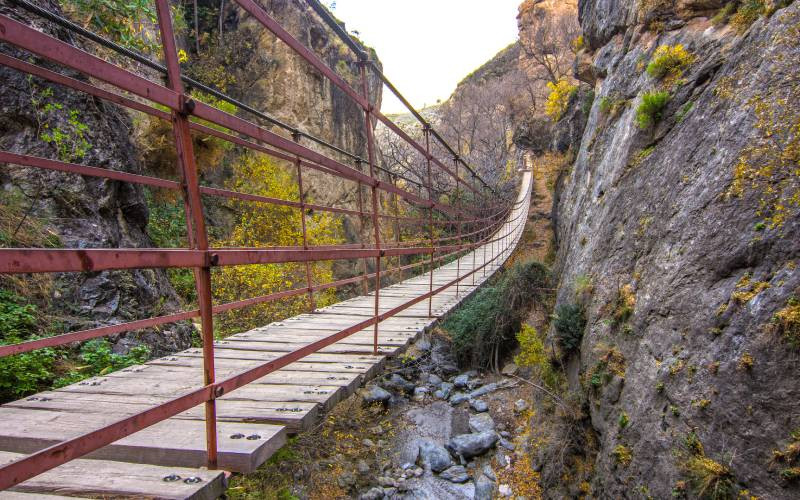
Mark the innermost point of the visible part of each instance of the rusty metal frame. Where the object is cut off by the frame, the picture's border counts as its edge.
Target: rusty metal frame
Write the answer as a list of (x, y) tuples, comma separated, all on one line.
[(487, 225)]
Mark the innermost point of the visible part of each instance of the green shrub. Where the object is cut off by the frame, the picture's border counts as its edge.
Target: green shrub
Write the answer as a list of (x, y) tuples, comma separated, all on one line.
[(166, 226), (41, 369), (99, 359), (125, 22), (723, 16), (651, 110), (532, 354), (623, 420), (569, 322), (748, 12), (622, 455), (21, 374), (558, 100), (685, 109), (669, 60), (485, 325), (605, 104)]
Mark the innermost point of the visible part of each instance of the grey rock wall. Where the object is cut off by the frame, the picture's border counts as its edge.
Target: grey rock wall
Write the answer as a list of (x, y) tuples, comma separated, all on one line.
[(83, 212), (646, 211)]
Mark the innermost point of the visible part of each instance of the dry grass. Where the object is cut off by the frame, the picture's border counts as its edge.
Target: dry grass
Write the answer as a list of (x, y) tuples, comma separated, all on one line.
[(520, 476), (710, 479), (312, 462), (20, 228)]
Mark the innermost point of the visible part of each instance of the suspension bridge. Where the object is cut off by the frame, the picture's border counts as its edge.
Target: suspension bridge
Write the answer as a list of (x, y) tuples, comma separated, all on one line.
[(171, 427)]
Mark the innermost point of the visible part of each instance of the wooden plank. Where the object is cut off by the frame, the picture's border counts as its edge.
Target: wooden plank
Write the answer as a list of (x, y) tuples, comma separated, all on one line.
[(295, 416), (265, 356), (172, 442), (350, 381), (287, 347), (327, 395), (16, 495), (105, 478), (388, 339), (311, 336), (240, 365), (376, 363)]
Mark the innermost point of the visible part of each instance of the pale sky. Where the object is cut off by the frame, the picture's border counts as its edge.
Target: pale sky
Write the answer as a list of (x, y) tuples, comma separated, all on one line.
[(428, 46)]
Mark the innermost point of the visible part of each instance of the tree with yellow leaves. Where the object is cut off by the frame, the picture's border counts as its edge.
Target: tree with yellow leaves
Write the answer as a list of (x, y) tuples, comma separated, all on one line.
[(263, 225)]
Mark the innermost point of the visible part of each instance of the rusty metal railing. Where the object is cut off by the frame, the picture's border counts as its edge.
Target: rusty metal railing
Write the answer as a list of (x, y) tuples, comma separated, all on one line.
[(463, 227)]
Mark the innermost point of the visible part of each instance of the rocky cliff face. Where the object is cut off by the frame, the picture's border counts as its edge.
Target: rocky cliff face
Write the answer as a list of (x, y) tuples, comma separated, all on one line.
[(45, 120), (268, 75), (682, 239), (50, 121)]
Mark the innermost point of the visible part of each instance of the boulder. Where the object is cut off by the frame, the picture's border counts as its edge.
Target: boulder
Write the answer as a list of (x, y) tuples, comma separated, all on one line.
[(472, 445), (484, 488), (455, 474), (419, 393), (459, 398), (434, 456), (482, 422), (478, 405), (376, 394), (510, 369), (461, 381), (505, 443), (398, 383), (375, 493), (482, 391)]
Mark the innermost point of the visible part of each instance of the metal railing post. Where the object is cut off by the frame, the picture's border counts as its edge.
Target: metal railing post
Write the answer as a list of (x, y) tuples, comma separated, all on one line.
[(427, 132), (460, 211), (361, 224), (374, 189), (398, 237), (195, 221), (474, 245), (311, 306)]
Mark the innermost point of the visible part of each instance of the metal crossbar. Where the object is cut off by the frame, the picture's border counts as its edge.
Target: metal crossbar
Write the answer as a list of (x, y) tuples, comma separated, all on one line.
[(461, 227)]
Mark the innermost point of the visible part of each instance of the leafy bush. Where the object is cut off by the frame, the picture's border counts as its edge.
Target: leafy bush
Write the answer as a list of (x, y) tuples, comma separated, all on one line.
[(710, 479), (21, 374), (623, 420), (484, 326), (62, 129), (723, 15), (532, 354), (262, 225), (787, 322), (669, 60), (610, 364), (166, 226), (99, 359), (651, 110), (622, 455), (569, 322), (611, 106), (127, 22), (747, 13), (685, 109), (558, 100), (26, 373), (624, 304)]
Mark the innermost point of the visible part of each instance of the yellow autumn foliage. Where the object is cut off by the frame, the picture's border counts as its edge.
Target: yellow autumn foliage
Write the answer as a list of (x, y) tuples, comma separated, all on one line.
[(558, 100), (262, 225)]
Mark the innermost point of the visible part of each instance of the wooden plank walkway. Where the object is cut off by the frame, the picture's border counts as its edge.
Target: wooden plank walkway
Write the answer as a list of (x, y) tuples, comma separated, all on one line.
[(253, 420)]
